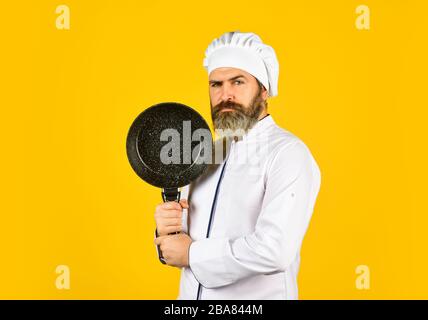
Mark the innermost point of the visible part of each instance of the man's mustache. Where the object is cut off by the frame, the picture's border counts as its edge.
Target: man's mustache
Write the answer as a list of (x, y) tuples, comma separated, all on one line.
[(228, 105)]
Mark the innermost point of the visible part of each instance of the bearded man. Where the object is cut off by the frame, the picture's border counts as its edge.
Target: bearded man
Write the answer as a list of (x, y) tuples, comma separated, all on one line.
[(241, 224)]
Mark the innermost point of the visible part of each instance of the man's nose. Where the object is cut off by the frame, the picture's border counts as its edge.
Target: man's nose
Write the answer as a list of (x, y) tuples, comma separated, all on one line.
[(227, 93)]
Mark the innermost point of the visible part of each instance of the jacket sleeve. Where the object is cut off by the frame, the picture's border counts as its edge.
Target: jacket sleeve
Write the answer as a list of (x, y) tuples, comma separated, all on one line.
[(292, 185)]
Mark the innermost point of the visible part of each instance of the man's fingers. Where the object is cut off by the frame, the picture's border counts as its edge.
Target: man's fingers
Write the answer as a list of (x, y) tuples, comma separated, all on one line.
[(168, 214), (159, 240), (172, 222), (174, 229), (184, 203), (170, 205), (170, 230)]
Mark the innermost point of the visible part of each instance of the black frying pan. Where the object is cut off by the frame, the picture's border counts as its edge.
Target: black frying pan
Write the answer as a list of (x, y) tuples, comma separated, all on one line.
[(146, 145)]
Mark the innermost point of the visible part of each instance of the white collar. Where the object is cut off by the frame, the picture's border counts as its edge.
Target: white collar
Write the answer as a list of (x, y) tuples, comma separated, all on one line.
[(259, 127)]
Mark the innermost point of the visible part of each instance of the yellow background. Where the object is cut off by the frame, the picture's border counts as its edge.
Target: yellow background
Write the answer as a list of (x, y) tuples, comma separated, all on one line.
[(357, 98)]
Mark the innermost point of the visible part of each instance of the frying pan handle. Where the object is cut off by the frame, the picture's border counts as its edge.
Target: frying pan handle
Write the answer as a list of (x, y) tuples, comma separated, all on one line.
[(168, 194)]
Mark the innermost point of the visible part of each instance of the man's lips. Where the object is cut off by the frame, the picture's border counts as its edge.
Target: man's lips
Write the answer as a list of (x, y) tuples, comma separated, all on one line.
[(226, 109)]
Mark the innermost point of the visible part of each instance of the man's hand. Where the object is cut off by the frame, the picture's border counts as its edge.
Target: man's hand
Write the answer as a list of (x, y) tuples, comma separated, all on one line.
[(175, 249), (168, 216)]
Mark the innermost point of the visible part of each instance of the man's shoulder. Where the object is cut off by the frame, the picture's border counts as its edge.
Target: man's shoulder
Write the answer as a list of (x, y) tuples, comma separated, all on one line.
[(280, 138), (287, 147)]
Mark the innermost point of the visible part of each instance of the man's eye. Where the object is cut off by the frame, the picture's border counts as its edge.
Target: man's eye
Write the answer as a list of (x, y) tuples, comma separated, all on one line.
[(238, 82), (214, 84)]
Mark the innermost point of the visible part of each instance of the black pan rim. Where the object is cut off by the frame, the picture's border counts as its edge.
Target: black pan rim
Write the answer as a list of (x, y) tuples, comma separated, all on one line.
[(144, 172)]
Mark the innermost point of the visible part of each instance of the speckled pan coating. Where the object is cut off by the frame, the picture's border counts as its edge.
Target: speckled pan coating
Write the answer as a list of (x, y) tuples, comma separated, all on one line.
[(143, 145)]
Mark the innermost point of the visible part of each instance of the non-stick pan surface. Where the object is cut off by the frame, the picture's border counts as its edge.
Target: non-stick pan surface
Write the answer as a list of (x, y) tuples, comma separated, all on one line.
[(144, 145)]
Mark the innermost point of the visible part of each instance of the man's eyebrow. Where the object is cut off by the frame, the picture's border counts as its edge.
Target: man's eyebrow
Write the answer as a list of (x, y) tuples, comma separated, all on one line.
[(236, 77), (231, 79)]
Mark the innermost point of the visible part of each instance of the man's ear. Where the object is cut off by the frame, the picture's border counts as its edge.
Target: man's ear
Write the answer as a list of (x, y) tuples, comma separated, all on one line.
[(265, 93)]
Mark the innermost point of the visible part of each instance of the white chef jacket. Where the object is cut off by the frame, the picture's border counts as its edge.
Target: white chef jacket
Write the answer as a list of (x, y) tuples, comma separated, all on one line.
[(264, 203)]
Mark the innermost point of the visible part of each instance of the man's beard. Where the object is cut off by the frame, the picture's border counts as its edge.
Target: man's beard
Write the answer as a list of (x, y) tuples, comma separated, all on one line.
[(241, 119)]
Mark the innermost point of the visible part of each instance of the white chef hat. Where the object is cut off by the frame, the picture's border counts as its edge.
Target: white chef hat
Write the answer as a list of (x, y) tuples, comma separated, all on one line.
[(244, 51)]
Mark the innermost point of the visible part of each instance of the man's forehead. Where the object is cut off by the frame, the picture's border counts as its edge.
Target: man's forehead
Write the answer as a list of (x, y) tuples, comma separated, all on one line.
[(225, 73)]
